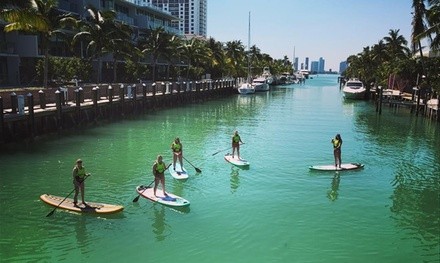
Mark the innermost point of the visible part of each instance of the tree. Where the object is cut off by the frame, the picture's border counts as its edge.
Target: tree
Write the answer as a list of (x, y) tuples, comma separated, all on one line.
[(96, 30), (41, 18)]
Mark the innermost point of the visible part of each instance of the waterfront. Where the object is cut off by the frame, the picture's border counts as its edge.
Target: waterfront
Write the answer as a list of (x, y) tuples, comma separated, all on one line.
[(275, 211)]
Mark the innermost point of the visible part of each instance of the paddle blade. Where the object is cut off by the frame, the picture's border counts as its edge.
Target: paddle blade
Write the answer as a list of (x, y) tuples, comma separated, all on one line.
[(51, 213), (136, 199), (198, 170)]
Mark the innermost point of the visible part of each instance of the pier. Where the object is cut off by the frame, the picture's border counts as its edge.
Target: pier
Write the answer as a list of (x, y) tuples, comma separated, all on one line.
[(26, 114)]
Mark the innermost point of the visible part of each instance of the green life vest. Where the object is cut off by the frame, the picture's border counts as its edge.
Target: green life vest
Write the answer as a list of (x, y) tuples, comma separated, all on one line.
[(336, 143), (160, 167), (236, 138), (80, 172), (176, 147)]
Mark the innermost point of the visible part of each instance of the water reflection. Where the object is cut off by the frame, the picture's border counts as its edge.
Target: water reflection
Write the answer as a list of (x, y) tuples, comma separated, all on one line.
[(82, 235), (333, 194), (159, 225), (235, 179)]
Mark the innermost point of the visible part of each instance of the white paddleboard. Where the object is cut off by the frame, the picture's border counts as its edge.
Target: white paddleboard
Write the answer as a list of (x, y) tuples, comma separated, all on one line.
[(332, 167), (179, 173), (235, 161), (169, 199)]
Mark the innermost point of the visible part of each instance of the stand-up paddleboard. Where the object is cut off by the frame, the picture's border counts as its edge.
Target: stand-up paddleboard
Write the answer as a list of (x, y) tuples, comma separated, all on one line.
[(235, 161), (179, 173), (169, 199), (91, 207), (332, 167)]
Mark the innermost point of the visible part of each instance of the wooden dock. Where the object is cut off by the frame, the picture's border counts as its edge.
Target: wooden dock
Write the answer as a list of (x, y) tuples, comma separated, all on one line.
[(25, 116)]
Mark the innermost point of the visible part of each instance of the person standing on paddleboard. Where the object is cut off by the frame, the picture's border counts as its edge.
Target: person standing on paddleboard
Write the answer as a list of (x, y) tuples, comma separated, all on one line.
[(159, 168), (337, 143), (79, 175), (236, 140), (177, 149)]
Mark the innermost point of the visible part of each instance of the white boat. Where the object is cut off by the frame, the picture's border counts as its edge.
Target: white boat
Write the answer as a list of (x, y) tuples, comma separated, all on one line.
[(260, 84), (354, 89), (246, 88), (267, 75)]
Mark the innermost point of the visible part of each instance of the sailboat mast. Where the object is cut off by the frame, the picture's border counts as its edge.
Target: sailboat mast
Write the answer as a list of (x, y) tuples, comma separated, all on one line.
[(249, 49)]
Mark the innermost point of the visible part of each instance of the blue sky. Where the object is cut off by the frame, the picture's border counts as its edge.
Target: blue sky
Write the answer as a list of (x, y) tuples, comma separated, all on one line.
[(332, 29)]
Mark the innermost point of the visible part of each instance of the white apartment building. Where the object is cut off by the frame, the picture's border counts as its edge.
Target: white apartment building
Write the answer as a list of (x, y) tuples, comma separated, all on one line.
[(192, 14)]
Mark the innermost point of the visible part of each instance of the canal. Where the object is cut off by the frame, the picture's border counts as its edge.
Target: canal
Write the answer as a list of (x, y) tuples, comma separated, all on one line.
[(275, 211)]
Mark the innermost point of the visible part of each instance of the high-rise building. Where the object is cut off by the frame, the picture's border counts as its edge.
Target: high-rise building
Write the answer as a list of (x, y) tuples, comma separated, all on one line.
[(306, 63), (192, 14), (343, 66), (314, 66), (321, 65)]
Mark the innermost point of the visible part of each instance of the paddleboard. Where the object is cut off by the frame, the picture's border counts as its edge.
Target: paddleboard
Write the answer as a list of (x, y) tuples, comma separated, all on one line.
[(91, 207), (236, 161), (169, 200), (332, 167), (179, 173)]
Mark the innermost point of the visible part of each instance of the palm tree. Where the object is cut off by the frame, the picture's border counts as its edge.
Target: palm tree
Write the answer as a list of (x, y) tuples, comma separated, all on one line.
[(120, 44), (156, 44), (235, 53), (433, 27), (194, 50), (96, 30), (41, 18), (396, 44), (418, 26)]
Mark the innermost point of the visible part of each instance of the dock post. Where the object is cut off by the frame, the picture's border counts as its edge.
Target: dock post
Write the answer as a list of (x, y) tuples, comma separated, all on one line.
[(14, 102), (31, 119), (58, 99), (110, 100), (95, 91), (418, 101), (121, 98), (2, 121), (42, 97), (144, 96), (78, 105), (134, 91), (380, 99)]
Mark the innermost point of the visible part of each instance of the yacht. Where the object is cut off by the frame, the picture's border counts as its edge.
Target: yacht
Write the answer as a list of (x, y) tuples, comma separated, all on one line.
[(246, 88), (260, 84), (354, 89)]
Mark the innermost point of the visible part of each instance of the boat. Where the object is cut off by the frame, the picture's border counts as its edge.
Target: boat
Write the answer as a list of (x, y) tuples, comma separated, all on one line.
[(247, 87), (305, 73), (260, 84), (354, 89), (267, 75)]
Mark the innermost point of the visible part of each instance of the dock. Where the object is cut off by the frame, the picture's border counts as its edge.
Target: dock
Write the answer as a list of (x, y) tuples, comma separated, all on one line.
[(32, 113)]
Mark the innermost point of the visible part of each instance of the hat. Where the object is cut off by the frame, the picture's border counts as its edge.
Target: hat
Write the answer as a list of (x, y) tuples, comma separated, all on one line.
[(79, 161)]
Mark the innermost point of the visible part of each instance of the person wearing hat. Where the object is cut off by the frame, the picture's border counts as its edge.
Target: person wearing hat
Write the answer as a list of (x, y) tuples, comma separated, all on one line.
[(79, 175), (177, 149), (236, 140)]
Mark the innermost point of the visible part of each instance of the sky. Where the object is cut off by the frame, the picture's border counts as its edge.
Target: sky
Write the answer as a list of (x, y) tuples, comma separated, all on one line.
[(331, 29)]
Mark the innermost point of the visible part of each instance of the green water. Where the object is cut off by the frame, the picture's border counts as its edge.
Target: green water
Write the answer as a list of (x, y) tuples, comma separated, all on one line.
[(275, 211)]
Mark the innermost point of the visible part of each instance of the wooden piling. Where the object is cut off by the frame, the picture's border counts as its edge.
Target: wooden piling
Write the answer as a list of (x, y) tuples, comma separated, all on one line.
[(59, 111), (2, 121), (31, 116)]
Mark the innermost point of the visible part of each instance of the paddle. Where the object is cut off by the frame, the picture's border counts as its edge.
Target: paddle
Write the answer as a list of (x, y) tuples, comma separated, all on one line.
[(51, 212), (224, 150), (139, 195), (197, 169)]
